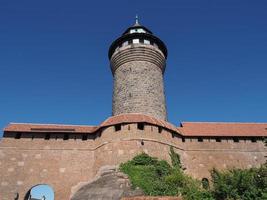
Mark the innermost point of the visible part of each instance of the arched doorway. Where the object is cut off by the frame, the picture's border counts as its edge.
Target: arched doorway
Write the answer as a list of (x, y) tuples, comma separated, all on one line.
[(40, 192)]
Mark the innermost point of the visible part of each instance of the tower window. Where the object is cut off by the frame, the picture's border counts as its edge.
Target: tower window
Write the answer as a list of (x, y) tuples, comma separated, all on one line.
[(183, 139), (125, 43), (200, 139), (140, 126), (117, 127), (160, 129), (146, 42), (218, 139), (140, 30), (135, 41), (133, 30)]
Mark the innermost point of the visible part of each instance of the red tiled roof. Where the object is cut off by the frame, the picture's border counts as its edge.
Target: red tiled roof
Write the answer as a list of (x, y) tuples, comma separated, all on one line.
[(119, 119), (223, 129), (192, 129), (133, 118), (27, 127)]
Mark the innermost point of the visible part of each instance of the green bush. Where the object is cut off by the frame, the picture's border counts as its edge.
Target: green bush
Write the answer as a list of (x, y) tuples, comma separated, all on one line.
[(246, 184), (157, 178), (175, 158)]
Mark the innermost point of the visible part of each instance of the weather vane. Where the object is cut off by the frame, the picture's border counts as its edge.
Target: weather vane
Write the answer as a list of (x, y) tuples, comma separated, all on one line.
[(136, 19)]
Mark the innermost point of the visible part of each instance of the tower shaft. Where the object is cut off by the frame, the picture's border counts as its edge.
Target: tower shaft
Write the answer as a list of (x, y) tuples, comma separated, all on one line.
[(138, 81)]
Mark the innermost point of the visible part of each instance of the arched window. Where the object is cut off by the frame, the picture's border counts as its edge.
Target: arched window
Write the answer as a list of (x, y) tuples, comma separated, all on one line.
[(40, 192), (205, 183)]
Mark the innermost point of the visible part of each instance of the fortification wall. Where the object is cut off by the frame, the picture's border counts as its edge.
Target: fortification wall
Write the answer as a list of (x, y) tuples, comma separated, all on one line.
[(66, 164)]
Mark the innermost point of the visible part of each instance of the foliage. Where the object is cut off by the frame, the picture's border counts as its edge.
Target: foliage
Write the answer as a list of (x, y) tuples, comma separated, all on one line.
[(157, 178), (175, 158), (205, 183), (248, 184)]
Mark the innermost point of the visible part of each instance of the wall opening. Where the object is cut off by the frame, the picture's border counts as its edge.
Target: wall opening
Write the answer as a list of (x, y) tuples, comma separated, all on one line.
[(117, 127), (205, 183), (84, 137), (66, 136), (200, 139), (160, 129), (40, 192), (47, 136), (18, 136), (236, 139), (253, 139), (140, 126)]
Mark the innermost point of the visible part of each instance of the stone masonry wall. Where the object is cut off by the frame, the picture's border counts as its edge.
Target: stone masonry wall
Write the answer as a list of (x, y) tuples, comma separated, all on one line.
[(67, 164), (138, 81)]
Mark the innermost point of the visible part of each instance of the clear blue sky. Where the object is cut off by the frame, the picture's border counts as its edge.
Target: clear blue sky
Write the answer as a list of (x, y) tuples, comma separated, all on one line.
[(55, 69), (42, 190)]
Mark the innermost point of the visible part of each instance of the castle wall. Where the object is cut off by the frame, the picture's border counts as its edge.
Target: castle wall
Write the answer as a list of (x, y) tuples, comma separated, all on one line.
[(138, 81), (66, 164)]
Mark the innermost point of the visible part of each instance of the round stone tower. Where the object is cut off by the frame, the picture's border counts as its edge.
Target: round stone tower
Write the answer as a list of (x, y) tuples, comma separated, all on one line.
[(137, 61)]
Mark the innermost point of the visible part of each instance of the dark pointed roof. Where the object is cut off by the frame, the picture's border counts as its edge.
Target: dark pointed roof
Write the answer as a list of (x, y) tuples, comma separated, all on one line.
[(135, 26), (147, 34)]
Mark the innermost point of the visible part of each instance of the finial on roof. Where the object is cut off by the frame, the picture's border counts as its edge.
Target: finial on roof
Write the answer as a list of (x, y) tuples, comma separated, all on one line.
[(136, 19)]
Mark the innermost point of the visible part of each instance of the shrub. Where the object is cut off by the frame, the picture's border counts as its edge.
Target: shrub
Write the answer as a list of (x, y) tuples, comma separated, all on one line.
[(246, 184), (157, 178), (175, 158)]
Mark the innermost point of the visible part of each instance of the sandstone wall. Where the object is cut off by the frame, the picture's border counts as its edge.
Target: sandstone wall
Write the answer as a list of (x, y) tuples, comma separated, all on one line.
[(67, 164)]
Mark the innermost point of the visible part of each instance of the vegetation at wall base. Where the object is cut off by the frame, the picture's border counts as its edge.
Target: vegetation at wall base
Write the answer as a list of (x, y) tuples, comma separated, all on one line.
[(159, 178)]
